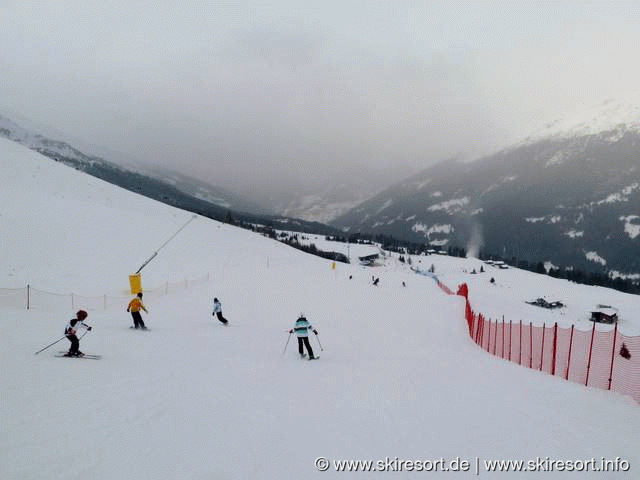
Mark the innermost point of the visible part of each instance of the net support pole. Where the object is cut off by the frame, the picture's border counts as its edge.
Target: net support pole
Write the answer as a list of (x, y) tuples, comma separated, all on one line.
[(593, 333), (613, 354), (569, 359)]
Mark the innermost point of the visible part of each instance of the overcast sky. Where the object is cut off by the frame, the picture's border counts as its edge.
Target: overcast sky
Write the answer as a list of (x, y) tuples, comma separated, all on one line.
[(256, 95)]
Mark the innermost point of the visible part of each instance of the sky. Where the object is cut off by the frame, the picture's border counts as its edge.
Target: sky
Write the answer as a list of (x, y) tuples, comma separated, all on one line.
[(281, 95)]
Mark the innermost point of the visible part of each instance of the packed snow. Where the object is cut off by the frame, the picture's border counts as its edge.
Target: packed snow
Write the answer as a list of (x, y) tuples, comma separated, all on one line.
[(398, 379)]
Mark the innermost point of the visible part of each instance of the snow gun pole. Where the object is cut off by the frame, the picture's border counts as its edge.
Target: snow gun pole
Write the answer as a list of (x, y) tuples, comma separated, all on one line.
[(286, 344), (50, 345), (162, 246), (318, 338)]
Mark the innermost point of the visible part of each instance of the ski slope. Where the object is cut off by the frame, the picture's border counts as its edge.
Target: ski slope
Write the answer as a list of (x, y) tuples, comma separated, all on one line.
[(398, 377)]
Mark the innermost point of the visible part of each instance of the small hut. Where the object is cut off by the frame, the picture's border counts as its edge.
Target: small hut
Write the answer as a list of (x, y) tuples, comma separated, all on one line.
[(604, 315), (369, 260)]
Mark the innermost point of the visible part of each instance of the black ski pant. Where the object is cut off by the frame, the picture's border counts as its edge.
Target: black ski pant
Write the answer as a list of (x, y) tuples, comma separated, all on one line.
[(75, 344), (304, 341), (137, 320), (221, 318)]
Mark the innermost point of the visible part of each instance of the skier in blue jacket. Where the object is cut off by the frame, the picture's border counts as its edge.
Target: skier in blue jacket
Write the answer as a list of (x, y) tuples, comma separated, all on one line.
[(217, 310), (302, 328)]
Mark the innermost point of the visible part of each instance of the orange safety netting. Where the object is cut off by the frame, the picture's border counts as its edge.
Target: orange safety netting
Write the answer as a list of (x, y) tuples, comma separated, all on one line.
[(608, 360)]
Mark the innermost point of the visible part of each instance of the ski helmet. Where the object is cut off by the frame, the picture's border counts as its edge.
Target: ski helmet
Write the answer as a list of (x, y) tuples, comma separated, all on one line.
[(82, 314)]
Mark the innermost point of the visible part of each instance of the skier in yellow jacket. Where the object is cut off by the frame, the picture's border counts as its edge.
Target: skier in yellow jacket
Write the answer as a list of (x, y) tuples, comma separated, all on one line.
[(134, 307)]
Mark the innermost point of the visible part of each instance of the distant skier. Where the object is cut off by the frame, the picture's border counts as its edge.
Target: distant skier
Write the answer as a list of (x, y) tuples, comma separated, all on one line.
[(135, 305), (71, 331), (302, 328), (217, 311)]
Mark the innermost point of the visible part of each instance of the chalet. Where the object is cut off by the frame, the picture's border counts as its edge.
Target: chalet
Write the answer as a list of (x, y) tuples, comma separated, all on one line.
[(369, 260), (604, 315)]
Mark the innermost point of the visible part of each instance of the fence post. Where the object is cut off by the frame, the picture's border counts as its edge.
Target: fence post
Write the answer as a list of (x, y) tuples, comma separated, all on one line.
[(502, 351), (471, 323), (510, 335), (486, 328), (542, 346), (73, 305), (555, 348), (593, 332), (613, 354), (530, 344), (520, 353), (488, 322), (476, 327), (28, 295), (569, 359), (495, 338)]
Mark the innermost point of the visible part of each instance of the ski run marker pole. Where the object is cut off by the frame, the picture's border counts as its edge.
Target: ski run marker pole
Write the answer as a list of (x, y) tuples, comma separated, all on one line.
[(286, 344)]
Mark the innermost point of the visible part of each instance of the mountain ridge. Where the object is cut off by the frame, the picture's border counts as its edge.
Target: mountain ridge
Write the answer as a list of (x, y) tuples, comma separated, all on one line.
[(169, 187), (571, 200)]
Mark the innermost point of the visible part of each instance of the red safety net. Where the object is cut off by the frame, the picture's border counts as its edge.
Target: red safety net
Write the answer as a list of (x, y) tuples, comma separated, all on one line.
[(608, 359)]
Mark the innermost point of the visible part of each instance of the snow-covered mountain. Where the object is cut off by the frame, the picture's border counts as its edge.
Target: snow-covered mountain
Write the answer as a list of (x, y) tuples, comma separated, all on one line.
[(154, 182), (171, 187), (612, 115), (332, 199), (568, 196)]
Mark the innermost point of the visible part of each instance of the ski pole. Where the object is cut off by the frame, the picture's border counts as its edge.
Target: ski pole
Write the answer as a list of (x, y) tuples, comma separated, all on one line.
[(286, 344), (318, 338), (50, 345)]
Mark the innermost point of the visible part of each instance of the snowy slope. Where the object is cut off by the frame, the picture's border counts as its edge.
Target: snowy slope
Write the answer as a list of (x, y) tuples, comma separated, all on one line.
[(398, 377)]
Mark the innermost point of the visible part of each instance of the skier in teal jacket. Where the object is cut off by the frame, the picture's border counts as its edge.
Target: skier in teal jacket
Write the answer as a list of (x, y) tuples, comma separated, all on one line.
[(302, 328)]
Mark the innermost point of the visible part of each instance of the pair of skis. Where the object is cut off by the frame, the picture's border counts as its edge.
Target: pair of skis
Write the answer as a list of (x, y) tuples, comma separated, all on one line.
[(84, 355), (309, 358)]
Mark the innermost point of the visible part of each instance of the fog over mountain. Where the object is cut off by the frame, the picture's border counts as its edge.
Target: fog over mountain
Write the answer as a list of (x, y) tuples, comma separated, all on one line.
[(273, 100), (569, 195)]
